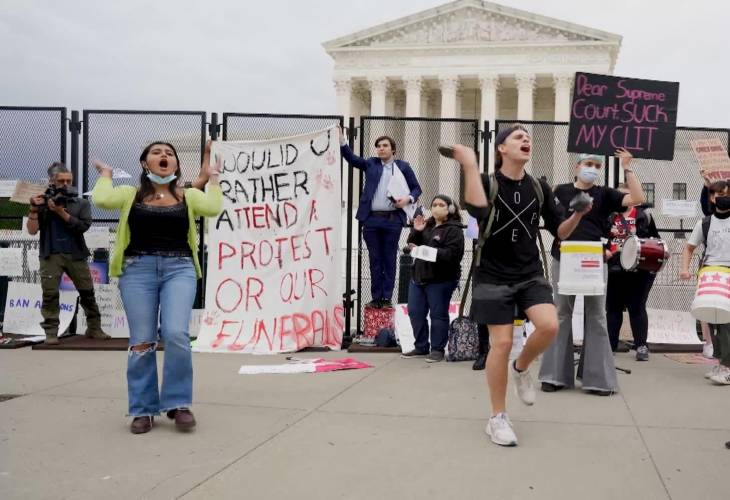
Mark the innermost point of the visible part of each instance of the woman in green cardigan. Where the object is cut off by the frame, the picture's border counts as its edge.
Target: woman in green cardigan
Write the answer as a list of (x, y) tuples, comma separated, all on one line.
[(155, 256)]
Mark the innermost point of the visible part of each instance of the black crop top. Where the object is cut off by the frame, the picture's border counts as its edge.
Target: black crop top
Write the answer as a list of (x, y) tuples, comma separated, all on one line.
[(158, 230)]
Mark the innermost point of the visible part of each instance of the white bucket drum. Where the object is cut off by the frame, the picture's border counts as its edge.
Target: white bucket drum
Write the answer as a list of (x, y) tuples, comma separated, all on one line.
[(712, 298), (581, 268)]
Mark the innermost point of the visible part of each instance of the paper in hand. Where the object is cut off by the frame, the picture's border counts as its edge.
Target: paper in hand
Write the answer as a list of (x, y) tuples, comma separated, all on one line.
[(424, 252)]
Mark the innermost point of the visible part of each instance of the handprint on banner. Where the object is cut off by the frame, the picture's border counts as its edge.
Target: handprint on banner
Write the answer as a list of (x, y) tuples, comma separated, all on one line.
[(331, 158), (211, 317), (324, 180)]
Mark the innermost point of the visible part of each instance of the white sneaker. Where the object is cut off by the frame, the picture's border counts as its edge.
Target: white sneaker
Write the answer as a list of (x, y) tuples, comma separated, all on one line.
[(524, 385), (721, 376), (499, 429), (707, 350), (712, 371)]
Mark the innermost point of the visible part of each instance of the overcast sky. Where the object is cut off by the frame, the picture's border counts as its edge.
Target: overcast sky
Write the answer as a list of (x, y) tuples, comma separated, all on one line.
[(266, 56)]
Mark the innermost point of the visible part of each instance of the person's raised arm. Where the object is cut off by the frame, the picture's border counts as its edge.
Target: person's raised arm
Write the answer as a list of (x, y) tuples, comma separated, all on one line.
[(636, 194), (352, 159), (105, 195), (474, 193), (202, 179)]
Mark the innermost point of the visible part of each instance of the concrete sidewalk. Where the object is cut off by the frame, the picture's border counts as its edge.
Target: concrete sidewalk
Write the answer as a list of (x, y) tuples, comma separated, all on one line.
[(404, 429)]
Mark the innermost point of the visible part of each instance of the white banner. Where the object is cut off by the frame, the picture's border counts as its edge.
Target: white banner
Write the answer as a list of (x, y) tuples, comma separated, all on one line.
[(274, 274), (23, 309), (671, 327), (11, 262)]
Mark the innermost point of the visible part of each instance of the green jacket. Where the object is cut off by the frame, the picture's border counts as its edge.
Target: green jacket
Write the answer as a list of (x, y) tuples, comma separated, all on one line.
[(106, 196)]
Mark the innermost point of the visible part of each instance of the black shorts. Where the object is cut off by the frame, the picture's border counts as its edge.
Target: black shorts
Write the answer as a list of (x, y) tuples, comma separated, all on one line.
[(497, 304)]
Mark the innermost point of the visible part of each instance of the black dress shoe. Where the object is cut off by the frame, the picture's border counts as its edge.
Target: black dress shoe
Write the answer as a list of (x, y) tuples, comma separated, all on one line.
[(548, 387), (480, 362), (386, 304), (598, 392), (374, 304)]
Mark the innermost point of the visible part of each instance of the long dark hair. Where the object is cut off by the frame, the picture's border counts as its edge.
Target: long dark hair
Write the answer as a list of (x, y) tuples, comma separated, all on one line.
[(145, 185), (456, 216)]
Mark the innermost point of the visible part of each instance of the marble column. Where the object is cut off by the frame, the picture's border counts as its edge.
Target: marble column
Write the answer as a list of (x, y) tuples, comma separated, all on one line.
[(489, 85), (343, 89), (378, 89), (448, 175), (414, 87), (563, 84), (525, 96)]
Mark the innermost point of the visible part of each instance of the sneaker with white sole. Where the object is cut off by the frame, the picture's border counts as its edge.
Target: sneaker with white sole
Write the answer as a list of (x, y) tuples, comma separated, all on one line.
[(707, 350), (524, 385), (712, 371), (499, 429), (721, 376)]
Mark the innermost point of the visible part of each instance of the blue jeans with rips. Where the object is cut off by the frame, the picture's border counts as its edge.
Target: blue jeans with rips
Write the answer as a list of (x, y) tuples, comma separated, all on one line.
[(158, 295)]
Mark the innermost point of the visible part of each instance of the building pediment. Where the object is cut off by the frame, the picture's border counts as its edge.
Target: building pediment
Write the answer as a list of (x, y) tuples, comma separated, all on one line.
[(469, 22)]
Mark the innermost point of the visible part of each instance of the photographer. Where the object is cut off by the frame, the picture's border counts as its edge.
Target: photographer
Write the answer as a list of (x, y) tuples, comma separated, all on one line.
[(63, 218)]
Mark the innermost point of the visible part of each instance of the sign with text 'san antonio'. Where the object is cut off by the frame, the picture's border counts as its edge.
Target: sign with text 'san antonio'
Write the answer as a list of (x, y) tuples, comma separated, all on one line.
[(274, 275), (611, 112)]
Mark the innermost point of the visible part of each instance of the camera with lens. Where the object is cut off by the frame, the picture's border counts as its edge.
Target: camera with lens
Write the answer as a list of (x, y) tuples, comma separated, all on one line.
[(59, 195)]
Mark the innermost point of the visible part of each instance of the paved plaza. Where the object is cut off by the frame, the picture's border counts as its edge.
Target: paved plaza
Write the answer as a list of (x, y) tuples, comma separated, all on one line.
[(403, 429)]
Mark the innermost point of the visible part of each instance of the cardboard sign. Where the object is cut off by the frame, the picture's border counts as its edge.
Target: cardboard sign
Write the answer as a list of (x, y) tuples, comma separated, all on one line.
[(97, 237), (24, 191), (679, 208), (23, 309), (11, 262), (672, 327), (712, 157), (611, 112), (7, 188), (274, 273)]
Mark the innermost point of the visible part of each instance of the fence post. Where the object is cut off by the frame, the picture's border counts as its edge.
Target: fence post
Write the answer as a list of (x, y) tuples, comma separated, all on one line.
[(74, 127), (348, 300)]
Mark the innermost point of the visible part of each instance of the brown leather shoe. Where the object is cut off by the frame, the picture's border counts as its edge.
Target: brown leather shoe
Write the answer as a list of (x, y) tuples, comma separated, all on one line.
[(96, 334), (184, 419), (140, 425)]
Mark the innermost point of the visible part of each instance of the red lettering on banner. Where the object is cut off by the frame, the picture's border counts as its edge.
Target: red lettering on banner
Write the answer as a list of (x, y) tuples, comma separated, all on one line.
[(261, 330), (218, 298), (254, 294), (247, 250), (315, 277), (284, 331), (324, 231), (221, 335), (313, 211), (302, 326), (221, 256)]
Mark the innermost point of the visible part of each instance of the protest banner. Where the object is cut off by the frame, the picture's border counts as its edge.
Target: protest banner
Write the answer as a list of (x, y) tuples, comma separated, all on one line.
[(23, 309), (679, 208), (712, 157), (274, 275), (611, 112)]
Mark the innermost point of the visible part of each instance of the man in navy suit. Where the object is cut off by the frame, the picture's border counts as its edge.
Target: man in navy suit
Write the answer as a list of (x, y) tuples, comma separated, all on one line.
[(382, 215)]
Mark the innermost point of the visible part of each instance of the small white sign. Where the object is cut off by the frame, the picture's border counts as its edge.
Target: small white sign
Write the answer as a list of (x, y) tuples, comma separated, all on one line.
[(118, 173), (682, 209), (424, 252), (671, 327), (7, 188), (11, 262), (32, 259), (97, 237)]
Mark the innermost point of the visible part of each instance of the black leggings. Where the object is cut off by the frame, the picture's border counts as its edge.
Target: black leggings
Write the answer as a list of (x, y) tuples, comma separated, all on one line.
[(630, 290)]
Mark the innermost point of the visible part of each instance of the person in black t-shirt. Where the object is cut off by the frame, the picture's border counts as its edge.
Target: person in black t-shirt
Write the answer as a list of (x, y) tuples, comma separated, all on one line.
[(509, 275), (596, 367)]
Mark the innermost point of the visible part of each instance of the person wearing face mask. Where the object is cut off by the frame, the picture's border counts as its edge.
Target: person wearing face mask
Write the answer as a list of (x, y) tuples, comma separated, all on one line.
[(433, 282), (714, 233), (628, 289), (155, 256), (596, 366)]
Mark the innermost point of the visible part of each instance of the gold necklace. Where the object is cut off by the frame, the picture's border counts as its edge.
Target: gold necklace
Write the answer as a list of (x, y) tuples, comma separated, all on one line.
[(159, 196)]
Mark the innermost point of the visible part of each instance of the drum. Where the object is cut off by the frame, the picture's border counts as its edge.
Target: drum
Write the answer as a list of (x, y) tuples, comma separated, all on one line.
[(648, 254), (712, 298)]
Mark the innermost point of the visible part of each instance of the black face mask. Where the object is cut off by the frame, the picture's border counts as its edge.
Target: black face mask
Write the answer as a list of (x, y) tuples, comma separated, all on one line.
[(722, 202)]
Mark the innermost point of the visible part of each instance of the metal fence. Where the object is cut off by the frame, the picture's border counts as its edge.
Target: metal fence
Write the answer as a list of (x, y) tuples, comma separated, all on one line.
[(416, 142)]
